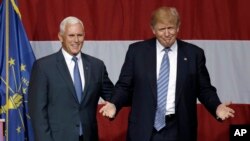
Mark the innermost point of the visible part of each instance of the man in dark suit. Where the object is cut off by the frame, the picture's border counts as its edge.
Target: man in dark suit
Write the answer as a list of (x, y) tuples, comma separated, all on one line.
[(164, 72), (65, 88)]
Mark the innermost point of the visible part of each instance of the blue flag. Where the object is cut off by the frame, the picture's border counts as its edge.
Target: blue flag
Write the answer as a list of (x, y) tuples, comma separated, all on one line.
[(16, 59)]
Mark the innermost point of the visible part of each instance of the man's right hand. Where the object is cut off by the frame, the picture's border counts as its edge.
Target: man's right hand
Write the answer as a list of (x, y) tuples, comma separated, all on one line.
[(108, 110)]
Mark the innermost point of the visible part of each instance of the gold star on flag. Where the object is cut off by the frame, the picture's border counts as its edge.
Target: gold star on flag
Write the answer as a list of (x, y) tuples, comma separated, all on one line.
[(18, 129), (23, 67), (12, 61), (24, 90)]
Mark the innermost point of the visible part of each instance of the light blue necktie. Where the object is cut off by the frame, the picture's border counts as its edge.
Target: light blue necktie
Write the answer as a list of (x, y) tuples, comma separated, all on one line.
[(78, 85), (162, 90), (77, 79)]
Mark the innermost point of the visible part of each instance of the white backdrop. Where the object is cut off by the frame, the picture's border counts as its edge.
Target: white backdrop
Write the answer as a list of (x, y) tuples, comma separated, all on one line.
[(227, 62)]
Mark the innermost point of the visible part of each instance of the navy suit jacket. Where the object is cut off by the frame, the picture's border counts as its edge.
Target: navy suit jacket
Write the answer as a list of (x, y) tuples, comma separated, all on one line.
[(137, 84), (53, 106)]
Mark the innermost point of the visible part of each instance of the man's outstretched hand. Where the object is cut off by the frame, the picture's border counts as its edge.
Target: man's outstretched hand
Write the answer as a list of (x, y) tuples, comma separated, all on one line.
[(224, 112)]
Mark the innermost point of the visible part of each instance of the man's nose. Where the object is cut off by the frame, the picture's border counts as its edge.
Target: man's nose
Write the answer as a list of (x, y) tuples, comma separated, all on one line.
[(76, 39)]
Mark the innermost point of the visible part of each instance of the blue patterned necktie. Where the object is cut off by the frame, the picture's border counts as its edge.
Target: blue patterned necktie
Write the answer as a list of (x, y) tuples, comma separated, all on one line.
[(162, 89), (78, 85)]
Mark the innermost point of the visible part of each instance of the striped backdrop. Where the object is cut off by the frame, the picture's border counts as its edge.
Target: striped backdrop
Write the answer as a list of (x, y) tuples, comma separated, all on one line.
[(220, 27)]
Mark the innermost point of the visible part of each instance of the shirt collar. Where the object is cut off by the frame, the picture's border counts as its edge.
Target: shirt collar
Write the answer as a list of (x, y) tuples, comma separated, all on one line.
[(69, 57), (160, 47)]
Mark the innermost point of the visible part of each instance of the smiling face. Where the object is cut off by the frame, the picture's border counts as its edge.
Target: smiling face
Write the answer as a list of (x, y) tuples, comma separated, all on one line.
[(72, 38), (165, 25)]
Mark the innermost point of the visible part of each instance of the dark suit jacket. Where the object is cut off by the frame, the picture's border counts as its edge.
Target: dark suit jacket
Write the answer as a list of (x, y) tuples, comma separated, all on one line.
[(53, 106), (138, 84)]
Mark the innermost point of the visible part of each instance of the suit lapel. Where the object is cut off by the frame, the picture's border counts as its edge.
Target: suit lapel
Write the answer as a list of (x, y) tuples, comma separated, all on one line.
[(64, 71), (87, 71), (151, 66), (182, 69)]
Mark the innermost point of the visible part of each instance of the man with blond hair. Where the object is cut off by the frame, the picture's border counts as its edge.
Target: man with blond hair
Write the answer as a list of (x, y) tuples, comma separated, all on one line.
[(162, 78)]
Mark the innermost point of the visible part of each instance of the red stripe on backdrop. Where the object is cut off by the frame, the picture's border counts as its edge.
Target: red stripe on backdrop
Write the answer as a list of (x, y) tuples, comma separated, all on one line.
[(209, 129), (129, 20)]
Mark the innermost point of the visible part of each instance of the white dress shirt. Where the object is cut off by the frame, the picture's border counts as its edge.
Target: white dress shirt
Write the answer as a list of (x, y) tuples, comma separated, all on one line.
[(71, 64), (172, 54)]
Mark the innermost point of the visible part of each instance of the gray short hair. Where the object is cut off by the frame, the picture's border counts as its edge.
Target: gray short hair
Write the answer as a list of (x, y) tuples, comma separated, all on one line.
[(69, 20)]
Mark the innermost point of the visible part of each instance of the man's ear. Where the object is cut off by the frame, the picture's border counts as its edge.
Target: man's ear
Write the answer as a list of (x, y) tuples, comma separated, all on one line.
[(60, 37), (178, 27), (153, 30)]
